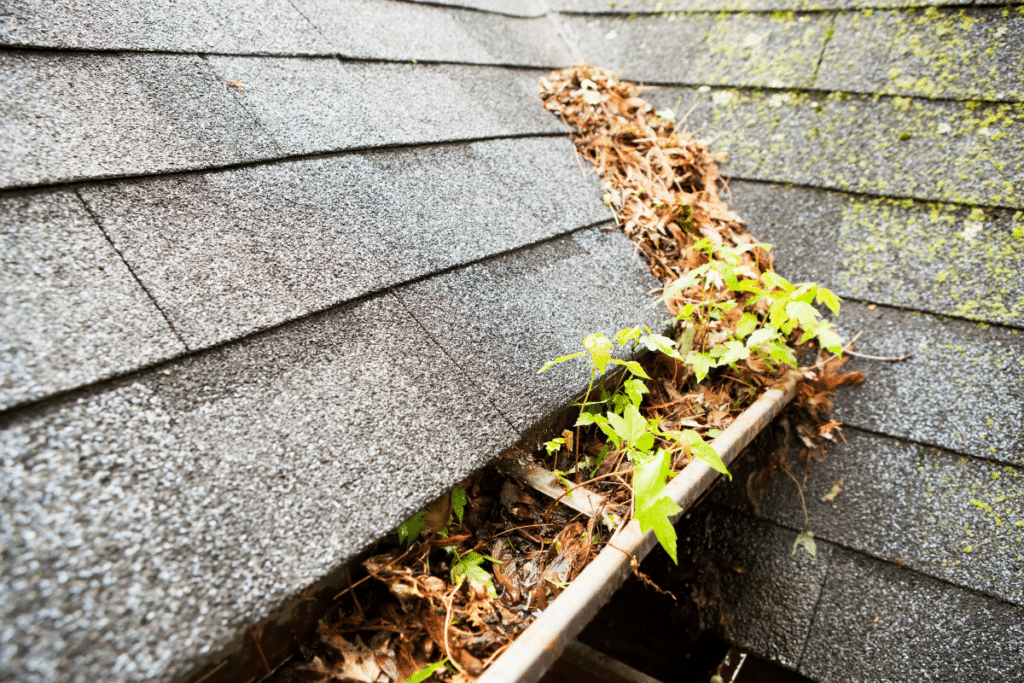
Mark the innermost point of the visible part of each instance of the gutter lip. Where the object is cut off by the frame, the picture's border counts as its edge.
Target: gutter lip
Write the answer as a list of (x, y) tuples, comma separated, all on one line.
[(542, 643)]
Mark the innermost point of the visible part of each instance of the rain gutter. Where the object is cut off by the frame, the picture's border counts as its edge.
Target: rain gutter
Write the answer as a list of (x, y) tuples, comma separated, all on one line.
[(540, 645)]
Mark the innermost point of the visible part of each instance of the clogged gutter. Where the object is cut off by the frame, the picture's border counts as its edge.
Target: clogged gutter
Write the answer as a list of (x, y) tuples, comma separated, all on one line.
[(459, 582)]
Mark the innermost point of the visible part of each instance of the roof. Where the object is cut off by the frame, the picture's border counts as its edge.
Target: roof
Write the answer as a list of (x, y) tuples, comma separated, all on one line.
[(262, 261)]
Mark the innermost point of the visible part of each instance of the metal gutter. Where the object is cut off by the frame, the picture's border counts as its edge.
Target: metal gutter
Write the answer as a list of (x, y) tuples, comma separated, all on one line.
[(540, 645)]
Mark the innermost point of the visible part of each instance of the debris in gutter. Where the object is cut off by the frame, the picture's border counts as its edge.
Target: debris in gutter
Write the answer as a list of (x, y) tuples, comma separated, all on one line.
[(452, 589)]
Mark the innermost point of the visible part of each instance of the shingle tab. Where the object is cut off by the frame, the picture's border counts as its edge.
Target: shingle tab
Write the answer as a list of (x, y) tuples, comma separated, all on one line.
[(203, 26), (934, 257), (722, 49), (370, 29), (955, 518), (972, 53), (773, 600), (230, 252), (316, 105), (155, 519), (962, 390), (72, 116), (880, 623), (503, 319), (961, 152), (71, 311)]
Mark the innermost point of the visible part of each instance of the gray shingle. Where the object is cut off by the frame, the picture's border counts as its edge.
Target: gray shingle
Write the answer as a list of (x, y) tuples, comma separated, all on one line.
[(71, 311), (963, 389), (722, 49), (230, 252), (642, 6), (927, 256), (502, 320), (71, 116), (772, 601), (955, 518), (372, 29), (155, 519), (948, 151), (242, 26), (880, 623), (974, 53), (313, 105)]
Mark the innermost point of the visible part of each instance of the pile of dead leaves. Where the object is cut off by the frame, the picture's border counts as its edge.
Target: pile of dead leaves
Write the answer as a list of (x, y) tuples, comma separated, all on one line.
[(414, 609)]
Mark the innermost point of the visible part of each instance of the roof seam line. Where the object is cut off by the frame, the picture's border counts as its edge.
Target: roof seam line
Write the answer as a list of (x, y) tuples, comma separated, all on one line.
[(303, 15), (927, 444), (824, 47), (814, 613), (156, 304), (924, 311), (401, 302), (286, 158), (857, 193)]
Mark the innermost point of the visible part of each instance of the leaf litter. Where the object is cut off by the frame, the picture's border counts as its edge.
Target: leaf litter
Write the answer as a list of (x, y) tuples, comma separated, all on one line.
[(446, 594)]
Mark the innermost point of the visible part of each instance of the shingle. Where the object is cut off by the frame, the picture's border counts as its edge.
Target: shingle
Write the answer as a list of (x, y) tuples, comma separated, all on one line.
[(973, 53), (772, 602), (156, 518), (76, 115), (238, 26), (314, 105), (962, 390), (503, 319), (229, 252), (961, 152), (522, 8), (954, 518), (933, 257), (371, 29), (723, 49), (658, 6), (880, 623), (71, 311)]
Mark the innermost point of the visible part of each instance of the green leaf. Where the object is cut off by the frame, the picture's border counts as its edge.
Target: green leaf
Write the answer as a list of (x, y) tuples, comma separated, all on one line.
[(761, 336), (411, 528), (551, 363), (633, 425), (649, 478), (806, 541), (469, 566), (730, 352), (459, 501), (828, 297), (656, 516), (830, 339), (680, 285), (635, 390), (645, 441), (776, 281), (746, 325), (777, 313), (584, 419), (701, 364), (632, 366), (600, 350), (781, 353), (804, 293), (629, 334), (702, 450), (426, 672), (657, 342), (804, 313)]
